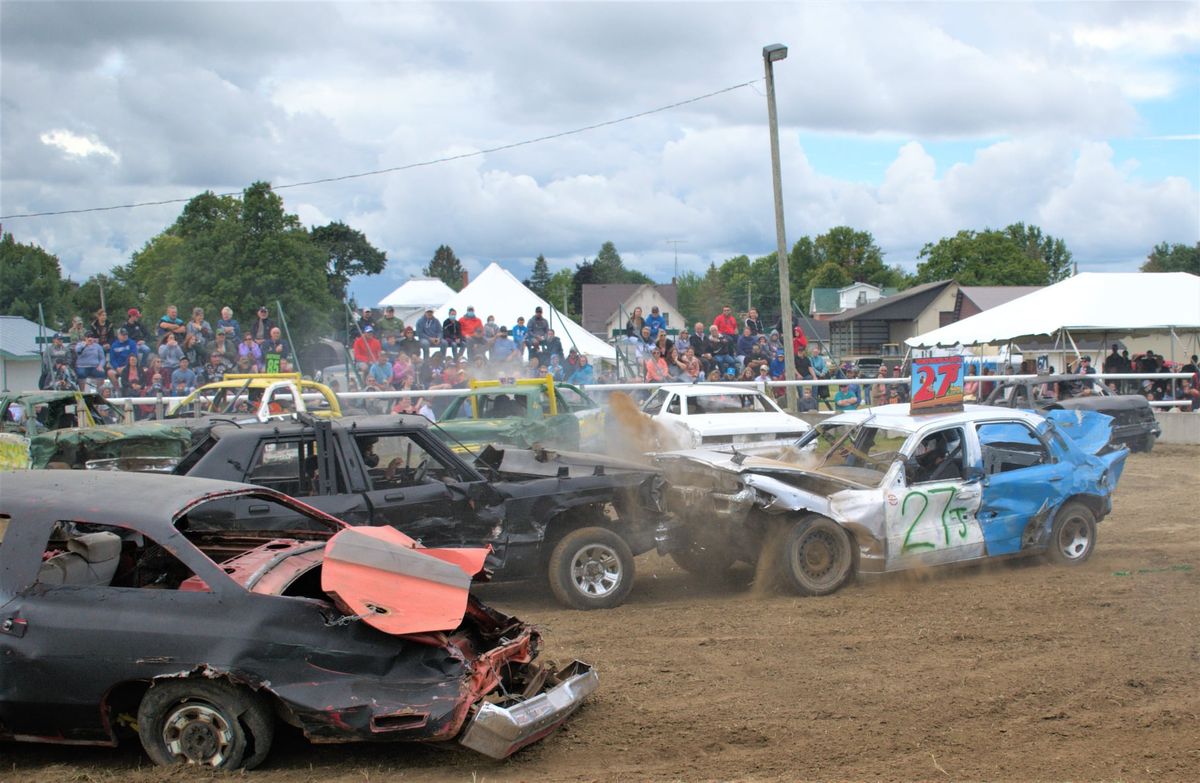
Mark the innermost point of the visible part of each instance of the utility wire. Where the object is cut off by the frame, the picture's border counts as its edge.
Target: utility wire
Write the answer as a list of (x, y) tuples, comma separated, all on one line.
[(405, 167)]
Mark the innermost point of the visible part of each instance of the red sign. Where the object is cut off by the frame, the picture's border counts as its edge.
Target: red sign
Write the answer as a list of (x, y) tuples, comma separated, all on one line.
[(937, 384)]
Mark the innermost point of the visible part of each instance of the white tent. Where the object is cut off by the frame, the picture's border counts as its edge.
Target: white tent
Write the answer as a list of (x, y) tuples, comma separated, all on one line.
[(496, 292), (412, 299), (1093, 303)]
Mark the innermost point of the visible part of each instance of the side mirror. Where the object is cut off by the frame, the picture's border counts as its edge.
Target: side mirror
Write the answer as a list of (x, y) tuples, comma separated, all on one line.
[(973, 474)]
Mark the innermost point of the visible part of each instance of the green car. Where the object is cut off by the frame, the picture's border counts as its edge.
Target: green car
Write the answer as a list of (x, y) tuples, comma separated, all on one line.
[(528, 411)]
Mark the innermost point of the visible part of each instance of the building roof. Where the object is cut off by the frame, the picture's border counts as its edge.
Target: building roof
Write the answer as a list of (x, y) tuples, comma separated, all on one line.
[(986, 297), (18, 337), (825, 300), (601, 300), (904, 306)]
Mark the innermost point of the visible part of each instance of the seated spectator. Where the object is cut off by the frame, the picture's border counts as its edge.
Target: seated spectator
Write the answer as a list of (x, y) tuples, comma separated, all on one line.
[(215, 369), (655, 367), (379, 375), (471, 330), (227, 325), (845, 399), (409, 344), (584, 373), (89, 359), (452, 337), (745, 345), (389, 324), (429, 333), (656, 322), (502, 347), (555, 367), (119, 353), (403, 372), (183, 379), (807, 402), (128, 382), (366, 349), (199, 328), (102, 329)]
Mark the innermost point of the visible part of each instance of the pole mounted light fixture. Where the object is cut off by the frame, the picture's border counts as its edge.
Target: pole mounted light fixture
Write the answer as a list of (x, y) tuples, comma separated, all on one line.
[(771, 54)]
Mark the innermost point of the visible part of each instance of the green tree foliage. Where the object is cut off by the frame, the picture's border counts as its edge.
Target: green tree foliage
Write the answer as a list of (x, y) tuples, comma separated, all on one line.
[(608, 266), (30, 276), (1052, 252), (446, 267), (699, 297), (585, 274), (540, 278), (980, 258), (349, 254), (830, 275), (1173, 258), (119, 294), (560, 289)]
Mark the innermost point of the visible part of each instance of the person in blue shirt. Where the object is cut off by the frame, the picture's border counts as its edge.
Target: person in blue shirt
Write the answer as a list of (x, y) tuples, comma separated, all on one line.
[(555, 367), (503, 347), (776, 366), (519, 333), (584, 373), (118, 354), (845, 400), (183, 378), (656, 322)]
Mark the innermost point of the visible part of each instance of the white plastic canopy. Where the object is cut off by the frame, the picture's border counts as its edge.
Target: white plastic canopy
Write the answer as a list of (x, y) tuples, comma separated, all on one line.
[(496, 292), (1092, 303)]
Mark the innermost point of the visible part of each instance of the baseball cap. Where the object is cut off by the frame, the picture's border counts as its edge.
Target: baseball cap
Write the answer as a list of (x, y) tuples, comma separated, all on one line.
[(730, 371), (369, 329), (134, 311)]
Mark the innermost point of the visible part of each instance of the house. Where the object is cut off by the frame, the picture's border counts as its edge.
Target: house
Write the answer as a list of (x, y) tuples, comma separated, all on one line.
[(826, 302), (20, 358), (607, 306), (881, 327)]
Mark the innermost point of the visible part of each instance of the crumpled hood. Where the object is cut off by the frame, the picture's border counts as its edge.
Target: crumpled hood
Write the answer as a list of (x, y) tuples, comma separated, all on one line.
[(1090, 430), (732, 424)]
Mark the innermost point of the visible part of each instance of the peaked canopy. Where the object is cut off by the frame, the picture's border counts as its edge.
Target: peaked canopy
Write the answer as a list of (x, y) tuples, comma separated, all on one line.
[(496, 292), (1113, 304), (418, 293)]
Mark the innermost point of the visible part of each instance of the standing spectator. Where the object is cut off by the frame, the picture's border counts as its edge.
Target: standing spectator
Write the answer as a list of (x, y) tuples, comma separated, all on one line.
[(656, 322), (389, 323), (900, 390), (1190, 392), (118, 355), (89, 359), (76, 333), (276, 347), (260, 330), (1114, 363), (452, 335), (471, 329), (804, 369), (133, 328), (799, 341), (228, 325), (429, 332), (102, 329), (171, 323), (754, 322), (249, 354), (1193, 366), (845, 399), (726, 323), (366, 349), (633, 327)]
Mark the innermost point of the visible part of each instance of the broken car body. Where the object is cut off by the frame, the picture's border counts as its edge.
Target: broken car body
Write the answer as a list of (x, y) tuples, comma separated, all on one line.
[(881, 490), (120, 599)]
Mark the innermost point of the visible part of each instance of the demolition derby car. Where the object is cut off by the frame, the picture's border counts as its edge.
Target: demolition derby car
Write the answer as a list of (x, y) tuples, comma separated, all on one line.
[(881, 490), (708, 414), (124, 609)]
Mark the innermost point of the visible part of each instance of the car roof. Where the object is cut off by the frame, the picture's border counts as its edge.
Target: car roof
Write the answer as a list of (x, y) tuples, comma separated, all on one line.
[(703, 389), (899, 417), (285, 427), (143, 501)]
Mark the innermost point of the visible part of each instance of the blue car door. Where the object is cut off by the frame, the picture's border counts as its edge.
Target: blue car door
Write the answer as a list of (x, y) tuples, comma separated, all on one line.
[(1023, 483)]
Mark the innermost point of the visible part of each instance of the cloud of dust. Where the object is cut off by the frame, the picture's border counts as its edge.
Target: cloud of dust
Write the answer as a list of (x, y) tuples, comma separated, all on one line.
[(631, 433)]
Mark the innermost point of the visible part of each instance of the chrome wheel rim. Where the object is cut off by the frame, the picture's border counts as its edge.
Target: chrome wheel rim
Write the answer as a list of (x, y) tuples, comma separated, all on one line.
[(1074, 538), (196, 733), (596, 570)]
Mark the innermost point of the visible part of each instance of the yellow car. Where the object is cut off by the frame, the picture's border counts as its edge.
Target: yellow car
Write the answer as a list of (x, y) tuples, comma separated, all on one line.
[(260, 396)]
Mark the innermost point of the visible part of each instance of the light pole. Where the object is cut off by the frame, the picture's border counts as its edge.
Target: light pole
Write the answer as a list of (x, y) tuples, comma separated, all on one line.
[(771, 54)]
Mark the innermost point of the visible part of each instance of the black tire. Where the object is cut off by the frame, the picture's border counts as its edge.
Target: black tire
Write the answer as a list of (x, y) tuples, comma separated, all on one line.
[(591, 568), (1145, 443), (1072, 536), (204, 722), (706, 561), (815, 557)]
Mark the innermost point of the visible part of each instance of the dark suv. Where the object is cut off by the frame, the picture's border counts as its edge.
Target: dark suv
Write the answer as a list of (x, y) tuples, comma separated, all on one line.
[(577, 519), (1134, 424)]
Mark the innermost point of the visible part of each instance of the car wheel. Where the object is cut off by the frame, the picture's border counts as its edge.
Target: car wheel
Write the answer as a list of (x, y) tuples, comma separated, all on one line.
[(704, 560), (1073, 535), (815, 557), (204, 722), (591, 568)]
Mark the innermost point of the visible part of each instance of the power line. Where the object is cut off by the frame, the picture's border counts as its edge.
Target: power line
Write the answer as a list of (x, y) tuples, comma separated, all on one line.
[(407, 166)]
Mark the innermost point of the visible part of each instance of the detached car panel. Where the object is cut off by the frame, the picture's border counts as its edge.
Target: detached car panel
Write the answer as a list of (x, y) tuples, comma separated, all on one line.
[(118, 599)]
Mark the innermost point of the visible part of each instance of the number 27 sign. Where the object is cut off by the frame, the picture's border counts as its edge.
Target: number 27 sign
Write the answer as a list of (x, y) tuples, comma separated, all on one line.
[(937, 384)]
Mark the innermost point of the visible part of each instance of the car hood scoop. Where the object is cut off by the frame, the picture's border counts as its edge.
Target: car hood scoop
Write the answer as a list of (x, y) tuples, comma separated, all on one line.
[(394, 584)]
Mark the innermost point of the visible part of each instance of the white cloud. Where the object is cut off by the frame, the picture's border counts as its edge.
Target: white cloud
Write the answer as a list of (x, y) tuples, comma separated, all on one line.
[(77, 146)]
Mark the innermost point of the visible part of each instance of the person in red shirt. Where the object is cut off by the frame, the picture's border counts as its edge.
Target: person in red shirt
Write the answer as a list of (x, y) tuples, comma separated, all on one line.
[(725, 322), (472, 332), (367, 349), (799, 341)]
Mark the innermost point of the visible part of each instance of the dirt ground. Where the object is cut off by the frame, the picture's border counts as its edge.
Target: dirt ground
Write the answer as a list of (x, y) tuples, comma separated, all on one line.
[(1017, 671)]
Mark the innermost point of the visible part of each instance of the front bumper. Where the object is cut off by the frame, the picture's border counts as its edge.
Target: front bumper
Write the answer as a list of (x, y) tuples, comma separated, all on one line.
[(499, 732)]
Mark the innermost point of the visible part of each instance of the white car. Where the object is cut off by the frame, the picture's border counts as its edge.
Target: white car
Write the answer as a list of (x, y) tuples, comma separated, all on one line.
[(707, 414)]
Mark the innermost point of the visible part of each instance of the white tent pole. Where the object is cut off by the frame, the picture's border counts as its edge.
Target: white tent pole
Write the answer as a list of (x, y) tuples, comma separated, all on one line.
[(1174, 393), (1074, 347)]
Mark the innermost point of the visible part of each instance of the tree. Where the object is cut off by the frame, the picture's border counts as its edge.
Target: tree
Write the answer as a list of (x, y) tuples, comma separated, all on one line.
[(699, 297), (446, 267), (30, 276), (608, 267), (585, 274), (349, 254), (985, 258), (559, 291), (1051, 251), (540, 278), (1173, 258), (830, 275)]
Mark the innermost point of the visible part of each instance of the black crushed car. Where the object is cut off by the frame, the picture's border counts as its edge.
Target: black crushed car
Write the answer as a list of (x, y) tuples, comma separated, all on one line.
[(577, 520), (124, 612), (1134, 424)]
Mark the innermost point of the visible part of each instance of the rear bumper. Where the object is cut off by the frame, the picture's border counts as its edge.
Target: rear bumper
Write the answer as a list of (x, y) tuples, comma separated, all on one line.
[(499, 732)]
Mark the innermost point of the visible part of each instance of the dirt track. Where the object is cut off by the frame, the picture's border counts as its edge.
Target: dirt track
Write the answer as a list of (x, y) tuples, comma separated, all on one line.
[(1018, 672)]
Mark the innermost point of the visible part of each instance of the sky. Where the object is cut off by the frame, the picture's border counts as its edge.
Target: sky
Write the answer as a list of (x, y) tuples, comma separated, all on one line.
[(909, 120)]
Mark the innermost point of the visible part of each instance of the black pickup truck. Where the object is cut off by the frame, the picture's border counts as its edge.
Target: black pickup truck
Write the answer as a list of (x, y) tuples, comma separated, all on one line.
[(577, 519)]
